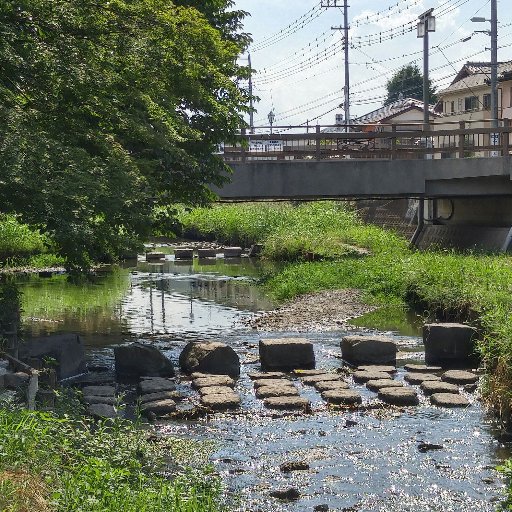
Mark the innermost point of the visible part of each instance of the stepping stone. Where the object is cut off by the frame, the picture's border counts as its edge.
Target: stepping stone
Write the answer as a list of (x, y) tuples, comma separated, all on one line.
[(222, 401), (183, 253), (376, 368), (232, 252), (324, 377), (369, 350), (215, 390), (103, 411), (449, 400), (156, 385), (272, 391), (286, 402), (459, 377), (377, 384), (200, 375), (308, 373), (267, 375), (342, 396), (418, 378), (154, 256), (449, 343), (162, 395), (159, 407), (365, 376), (430, 387), (91, 399), (326, 385), (272, 382), (99, 391), (206, 253), (214, 380), (422, 368), (286, 354), (399, 396)]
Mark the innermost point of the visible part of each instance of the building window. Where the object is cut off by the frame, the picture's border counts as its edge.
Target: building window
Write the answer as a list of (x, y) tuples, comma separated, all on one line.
[(452, 109), (487, 102), (471, 103), (459, 105)]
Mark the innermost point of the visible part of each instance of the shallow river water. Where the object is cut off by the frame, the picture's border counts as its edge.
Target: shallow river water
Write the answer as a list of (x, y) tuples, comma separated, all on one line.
[(361, 460)]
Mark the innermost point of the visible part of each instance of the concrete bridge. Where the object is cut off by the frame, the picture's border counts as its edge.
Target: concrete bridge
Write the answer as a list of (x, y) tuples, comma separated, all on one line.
[(462, 181)]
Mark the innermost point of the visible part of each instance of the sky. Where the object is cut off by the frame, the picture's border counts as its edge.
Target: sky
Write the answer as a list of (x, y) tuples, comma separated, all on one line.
[(299, 60)]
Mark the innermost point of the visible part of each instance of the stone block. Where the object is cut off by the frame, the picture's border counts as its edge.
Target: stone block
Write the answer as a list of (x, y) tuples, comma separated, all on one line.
[(206, 253), (286, 354), (210, 357), (155, 256), (138, 360), (232, 252), (449, 344), (359, 350), (183, 253)]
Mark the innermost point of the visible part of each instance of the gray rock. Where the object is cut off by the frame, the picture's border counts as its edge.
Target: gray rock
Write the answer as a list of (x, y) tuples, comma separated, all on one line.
[(342, 396), (377, 368), (232, 252), (214, 380), (418, 378), (161, 395), (222, 401), (399, 396), (67, 350), (286, 354), (272, 382), (99, 390), (138, 360), (368, 350), (215, 390), (91, 399), (295, 465), (156, 385), (266, 375), (103, 411), (459, 377), (449, 343), (364, 376), (210, 357), (290, 494), (324, 377), (272, 391), (325, 385), (377, 384), (15, 380), (159, 407), (287, 402), (449, 400), (430, 387), (422, 368), (308, 373)]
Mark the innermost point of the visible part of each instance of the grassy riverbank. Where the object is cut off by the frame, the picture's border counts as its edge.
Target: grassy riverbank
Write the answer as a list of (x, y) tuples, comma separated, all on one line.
[(66, 462), (466, 287)]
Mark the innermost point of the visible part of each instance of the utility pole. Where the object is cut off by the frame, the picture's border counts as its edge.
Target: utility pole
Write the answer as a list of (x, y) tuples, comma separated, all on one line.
[(345, 28), (251, 104), (494, 63), (426, 24)]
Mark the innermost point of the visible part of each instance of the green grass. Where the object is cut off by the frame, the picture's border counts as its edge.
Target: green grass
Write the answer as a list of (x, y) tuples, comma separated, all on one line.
[(68, 463)]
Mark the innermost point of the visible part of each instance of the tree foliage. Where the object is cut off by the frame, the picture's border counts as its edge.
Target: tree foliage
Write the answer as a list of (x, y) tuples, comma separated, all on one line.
[(408, 81), (111, 111)]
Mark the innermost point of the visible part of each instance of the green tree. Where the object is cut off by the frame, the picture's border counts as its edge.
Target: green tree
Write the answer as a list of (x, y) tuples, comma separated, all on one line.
[(111, 111), (408, 81)]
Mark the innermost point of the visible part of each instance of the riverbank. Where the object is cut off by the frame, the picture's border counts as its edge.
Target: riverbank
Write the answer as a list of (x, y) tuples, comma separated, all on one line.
[(443, 285)]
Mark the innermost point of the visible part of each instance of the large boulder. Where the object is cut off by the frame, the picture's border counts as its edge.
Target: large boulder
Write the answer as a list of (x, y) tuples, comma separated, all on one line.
[(359, 350), (67, 350), (138, 360), (286, 354), (449, 344), (210, 357)]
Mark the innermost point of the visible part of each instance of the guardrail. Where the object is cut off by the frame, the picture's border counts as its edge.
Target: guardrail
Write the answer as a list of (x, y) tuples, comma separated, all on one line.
[(390, 142)]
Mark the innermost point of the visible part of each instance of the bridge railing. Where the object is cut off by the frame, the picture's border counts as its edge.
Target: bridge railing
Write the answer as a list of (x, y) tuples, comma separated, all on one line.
[(441, 139)]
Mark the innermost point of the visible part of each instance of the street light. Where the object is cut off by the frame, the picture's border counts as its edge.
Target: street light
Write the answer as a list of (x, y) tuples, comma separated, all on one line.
[(271, 117)]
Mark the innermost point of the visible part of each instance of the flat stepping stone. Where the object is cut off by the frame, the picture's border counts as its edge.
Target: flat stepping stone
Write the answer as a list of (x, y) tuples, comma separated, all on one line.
[(324, 377), (418, 378), (91, 399), (99, 390), (286, 402), (272, 391), (308, 373), (272, 382), (342, 396), (154, 256), (325, 385), (449, 400), (156, 385), (162, 395), (430, 387), (221, 401), (159, 407), (377, 384), (377, 368), (422, 368), (214, 380), (266, 375), (215, 390), (399, 396), (365, 376), (459, 377), (103, 411)]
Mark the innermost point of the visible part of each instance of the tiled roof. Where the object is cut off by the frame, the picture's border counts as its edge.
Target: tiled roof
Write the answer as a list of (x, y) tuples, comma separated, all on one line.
[(392, 110)]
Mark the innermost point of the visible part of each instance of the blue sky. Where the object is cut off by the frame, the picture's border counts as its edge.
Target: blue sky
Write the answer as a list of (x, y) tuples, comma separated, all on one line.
[(299, 58)]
